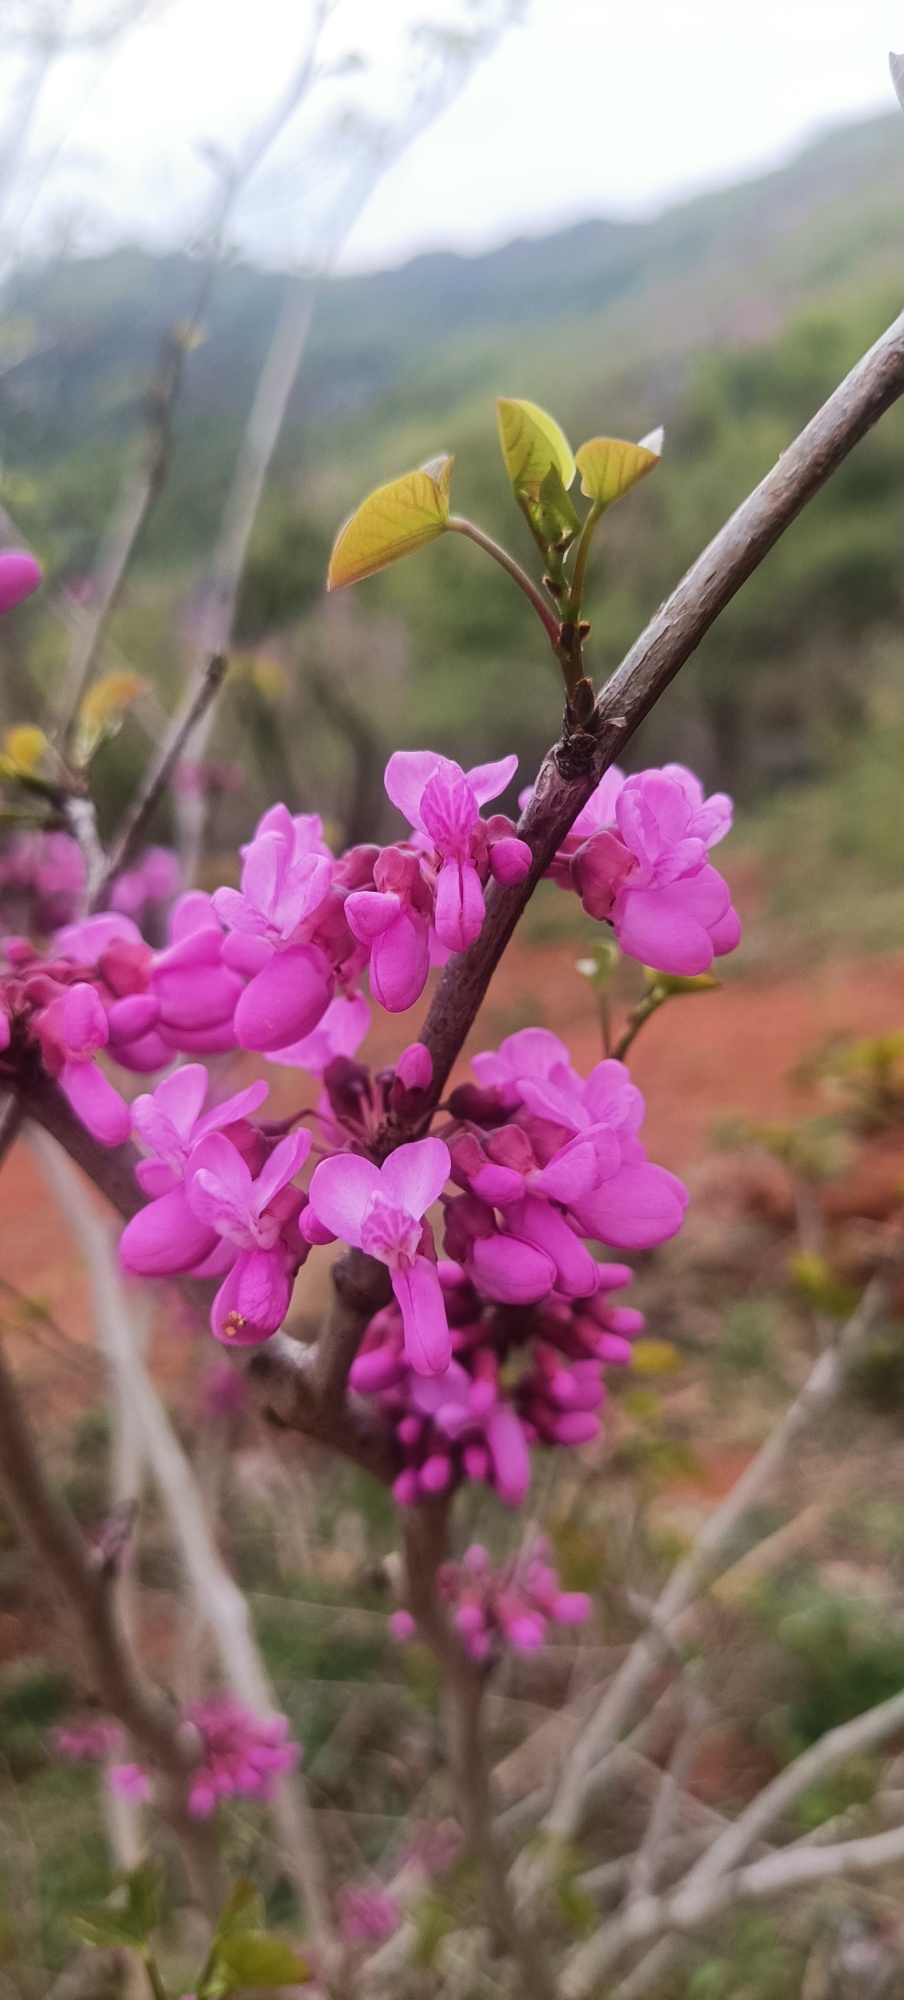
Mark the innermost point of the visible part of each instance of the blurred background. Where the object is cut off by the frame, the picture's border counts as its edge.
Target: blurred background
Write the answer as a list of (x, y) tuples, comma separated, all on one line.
[(286, 252)]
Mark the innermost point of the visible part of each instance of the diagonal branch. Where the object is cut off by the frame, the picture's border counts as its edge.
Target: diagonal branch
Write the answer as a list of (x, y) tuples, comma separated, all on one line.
[(575, 766)]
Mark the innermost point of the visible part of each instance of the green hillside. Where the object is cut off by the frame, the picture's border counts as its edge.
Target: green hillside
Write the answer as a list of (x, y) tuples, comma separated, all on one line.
[(728, 318)]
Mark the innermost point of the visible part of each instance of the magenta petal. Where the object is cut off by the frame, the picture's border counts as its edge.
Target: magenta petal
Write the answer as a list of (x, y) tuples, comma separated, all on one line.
[(192, 996), (215, 1039), (165, 1237), (253, 1301), (132, 1018), (542, 1225), (20, 576), (97, 1104), (415, 1175), (400, 962), (428, 1344), (285, 1000), (510, 860), (514, 1273), (340, 1191), (459, 905), (726, 934), (639, 1207), (150, 1052), (509, 1454)]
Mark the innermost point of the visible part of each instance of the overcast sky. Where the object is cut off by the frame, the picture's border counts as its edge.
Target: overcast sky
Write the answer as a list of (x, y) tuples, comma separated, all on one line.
[(665, 96)]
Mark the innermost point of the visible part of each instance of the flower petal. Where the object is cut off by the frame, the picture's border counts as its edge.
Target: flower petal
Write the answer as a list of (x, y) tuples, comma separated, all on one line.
[(428, 1343), (340, 1191), (415, 1175)]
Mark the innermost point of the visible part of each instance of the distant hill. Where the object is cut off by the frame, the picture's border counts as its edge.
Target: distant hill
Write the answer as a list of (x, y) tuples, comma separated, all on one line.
[(729, 316)]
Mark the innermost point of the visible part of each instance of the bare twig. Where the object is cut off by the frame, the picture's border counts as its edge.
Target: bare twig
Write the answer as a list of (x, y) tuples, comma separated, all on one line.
[(701, 1563), (141, 811), (688, 1910), (462, 1684), (221, 1601)]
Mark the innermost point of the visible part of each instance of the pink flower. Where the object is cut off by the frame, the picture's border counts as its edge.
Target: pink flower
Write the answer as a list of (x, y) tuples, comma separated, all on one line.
[(130, 1781), (170, 1122), (20, 576), (646, 869), (242, 1754), (286, 877), (442, 803), (339, 1032), (90, 1741), (72, 1029), (156, 879), (494, 1608), (254, 1298), (367, 1915), (393, 921), (380, 1210), (401, 1626)]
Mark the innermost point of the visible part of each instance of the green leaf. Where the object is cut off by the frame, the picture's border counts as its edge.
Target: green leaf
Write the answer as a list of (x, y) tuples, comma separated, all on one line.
[(256, 1959), (143, 1885), (242, 1911), (532, 443), (391, 523), (610, 467), (554, 520), (99, 1923)]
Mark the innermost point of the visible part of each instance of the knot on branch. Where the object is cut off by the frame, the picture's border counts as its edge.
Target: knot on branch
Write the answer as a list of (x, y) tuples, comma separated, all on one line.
[(362, 1285)]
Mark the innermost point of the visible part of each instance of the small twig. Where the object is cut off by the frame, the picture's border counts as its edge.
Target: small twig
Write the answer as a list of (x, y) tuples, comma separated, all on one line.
[(702, 1561), (688, 1910), (535, 598), (462, 1684), (141, 812), (674, 1781)]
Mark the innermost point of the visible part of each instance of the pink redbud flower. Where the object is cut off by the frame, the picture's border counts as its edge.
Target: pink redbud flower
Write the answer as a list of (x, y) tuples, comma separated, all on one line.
[(20, 576), (87, 1742), (286, 877), (401, 1626), (130, 1781), (442, 803), (242, 1755), (170, 1122), (367, 1915), (156, 879), (254, 1298), (647, 870), (72, 1029), (380, 1210), (339, 1032)]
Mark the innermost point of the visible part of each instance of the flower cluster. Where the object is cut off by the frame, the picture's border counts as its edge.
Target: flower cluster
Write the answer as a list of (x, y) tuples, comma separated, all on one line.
[(366, 1916), (90, 1740), (241, 1754), (509, 1607), (514, 1379), (637, 856)]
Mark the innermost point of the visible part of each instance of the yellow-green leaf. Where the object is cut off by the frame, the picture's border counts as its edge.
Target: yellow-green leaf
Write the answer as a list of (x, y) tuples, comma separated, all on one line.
[(610, 467), (24, 750), (102, 711), (655, 1357), (392, 522), (531, 443)]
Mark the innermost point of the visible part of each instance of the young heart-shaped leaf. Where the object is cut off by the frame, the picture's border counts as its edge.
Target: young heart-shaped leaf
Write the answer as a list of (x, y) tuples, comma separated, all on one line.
[(392, 522), (100, 1924), (24, 750), (531, 443), (242, 1910), (610, 467), (554, 520), (256, 1959), (102, 710), (143, 1885)]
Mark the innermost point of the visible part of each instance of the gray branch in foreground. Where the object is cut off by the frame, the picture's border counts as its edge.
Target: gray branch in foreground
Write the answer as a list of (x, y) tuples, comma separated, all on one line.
[(573, 769), (688, 1910), (702, 1562)]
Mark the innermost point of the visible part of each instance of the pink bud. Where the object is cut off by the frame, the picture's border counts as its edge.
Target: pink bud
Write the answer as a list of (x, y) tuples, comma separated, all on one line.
[(20, 576), (401, 1627), (572, 1607), (414, 1069), (510, 860)]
